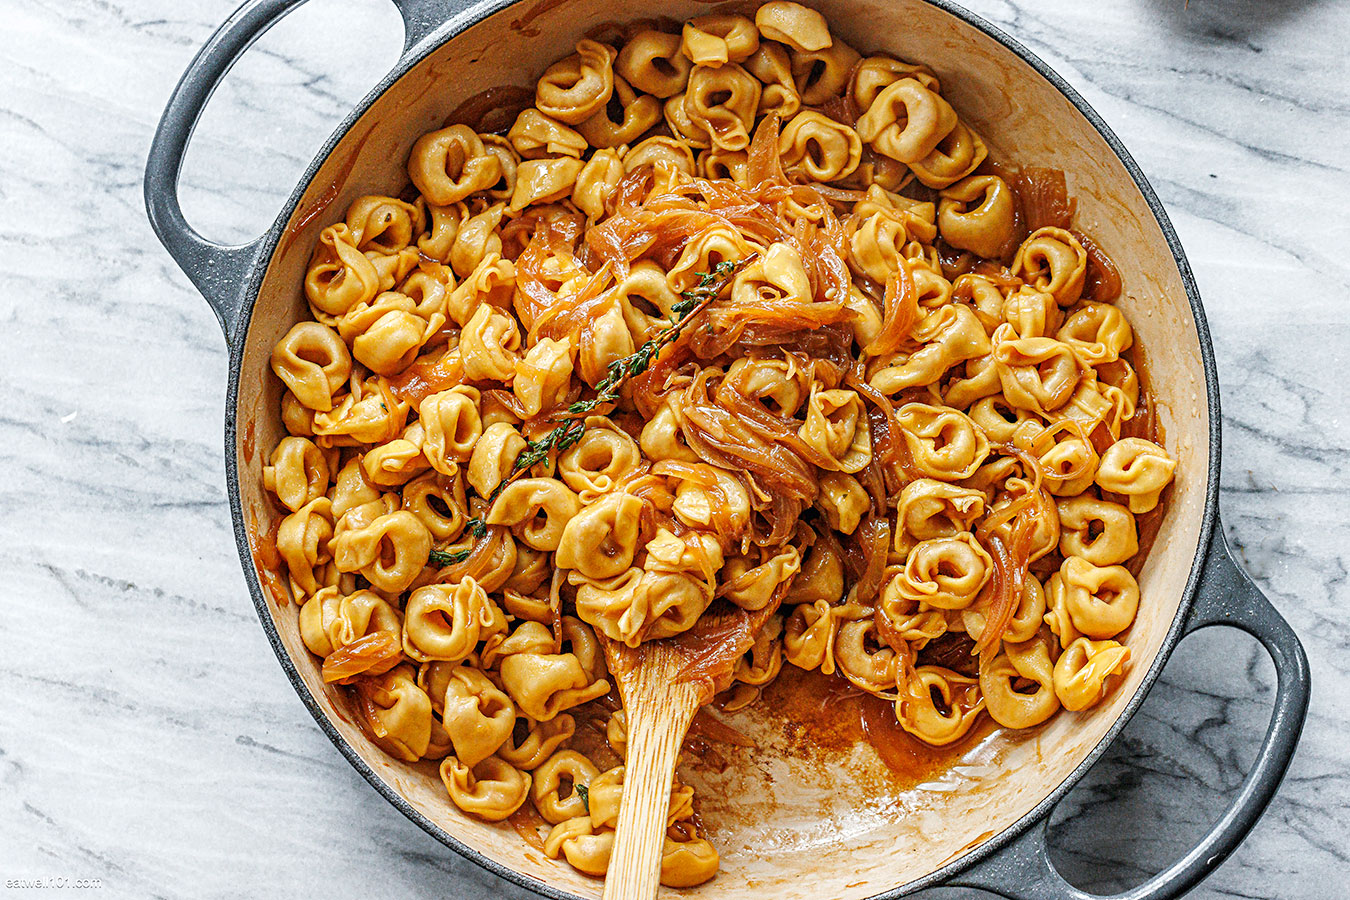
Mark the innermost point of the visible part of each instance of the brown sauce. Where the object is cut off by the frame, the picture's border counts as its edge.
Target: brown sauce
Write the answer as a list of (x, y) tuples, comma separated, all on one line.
[(1102, 284), (266, 558), (825, 713), (492, 109), (707, 728), (524, 25), (1144, 424), (301, 220), (249, 443), (527, 822)]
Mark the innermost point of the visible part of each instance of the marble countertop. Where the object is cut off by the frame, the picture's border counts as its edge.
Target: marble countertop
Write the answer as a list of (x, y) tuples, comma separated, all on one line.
[(148, 738)]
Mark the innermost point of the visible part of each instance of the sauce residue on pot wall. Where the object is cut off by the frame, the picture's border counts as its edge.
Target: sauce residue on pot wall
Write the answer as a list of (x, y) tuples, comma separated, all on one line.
[(525, 24), (1144, 424), (266, 558), (249, 442), (527, 823), (312, 211), (492, 110), (827, 716)]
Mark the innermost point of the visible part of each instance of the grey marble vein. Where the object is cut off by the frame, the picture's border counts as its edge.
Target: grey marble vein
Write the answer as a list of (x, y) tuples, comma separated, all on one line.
[(147, 736)]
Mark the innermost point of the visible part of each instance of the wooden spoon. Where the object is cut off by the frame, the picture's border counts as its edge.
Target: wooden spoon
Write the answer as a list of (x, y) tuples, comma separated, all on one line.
[(662, 684)]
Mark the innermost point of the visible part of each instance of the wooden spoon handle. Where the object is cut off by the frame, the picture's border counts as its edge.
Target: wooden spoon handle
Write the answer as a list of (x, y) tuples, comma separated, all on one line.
[(656, 727)]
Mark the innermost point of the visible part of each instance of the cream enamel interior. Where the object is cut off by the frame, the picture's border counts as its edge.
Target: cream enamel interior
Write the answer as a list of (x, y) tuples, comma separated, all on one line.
[(787, 826)]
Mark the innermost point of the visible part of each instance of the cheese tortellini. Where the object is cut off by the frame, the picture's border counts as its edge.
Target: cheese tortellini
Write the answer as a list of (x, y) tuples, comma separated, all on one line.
[(731, 318)]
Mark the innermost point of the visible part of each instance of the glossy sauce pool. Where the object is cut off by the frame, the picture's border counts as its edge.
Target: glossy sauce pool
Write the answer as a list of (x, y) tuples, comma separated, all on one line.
[(827, 716)]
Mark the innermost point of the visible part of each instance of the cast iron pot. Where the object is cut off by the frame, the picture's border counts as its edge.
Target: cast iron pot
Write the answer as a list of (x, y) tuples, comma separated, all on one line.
[(787, 825)]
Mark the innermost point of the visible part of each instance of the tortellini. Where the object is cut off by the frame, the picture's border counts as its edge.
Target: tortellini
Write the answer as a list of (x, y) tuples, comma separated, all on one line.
[(491, 790), (930, 509), (978, 214), (1083, 668), (1098, 531), (546, 684), (389, 552), (1101, 601), (727, 323), (451, 427), (574, 89), (943, 443), (303, 540), (339, 275), (821, 75), (1137, 468), (564, 769), (603, 456), (638, 112), (654, 62), (397, 713), (824, 149), (600, 541), (448, 165), (331, 620), (1052, 260), (715, 40), (862, 657), (940, 705), (489, 345), (539, 742), (945, 572), (661, 600), (313, 362), (387, 333), (906, 121), (1012, 708), (478, 716), (447, 621), (543, 376), (800, 27), (538, 509), (298, 472), (1038, 374), (837, 426)]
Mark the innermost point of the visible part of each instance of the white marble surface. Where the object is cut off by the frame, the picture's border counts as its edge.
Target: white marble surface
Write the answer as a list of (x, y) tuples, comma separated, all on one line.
[(147, 736)]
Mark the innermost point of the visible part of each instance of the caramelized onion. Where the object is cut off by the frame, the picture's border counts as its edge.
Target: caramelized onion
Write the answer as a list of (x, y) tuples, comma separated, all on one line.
[(899, 315), (1000, 598), (1103, 278), (730, 431), (371, 654), (1044, 197), (1010, 549), (428, 376), (480, 559), (872, 541)]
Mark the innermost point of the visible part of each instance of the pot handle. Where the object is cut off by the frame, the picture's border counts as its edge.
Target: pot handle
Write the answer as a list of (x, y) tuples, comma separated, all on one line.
[(218, 270), (1023, 869)]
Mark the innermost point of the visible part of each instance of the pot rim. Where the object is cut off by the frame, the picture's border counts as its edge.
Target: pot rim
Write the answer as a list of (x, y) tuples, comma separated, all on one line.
[(447, 31)]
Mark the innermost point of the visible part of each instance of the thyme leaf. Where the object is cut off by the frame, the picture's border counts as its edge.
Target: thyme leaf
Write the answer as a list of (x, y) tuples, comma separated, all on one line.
[(573, 423), (441, 558), (585, 794)]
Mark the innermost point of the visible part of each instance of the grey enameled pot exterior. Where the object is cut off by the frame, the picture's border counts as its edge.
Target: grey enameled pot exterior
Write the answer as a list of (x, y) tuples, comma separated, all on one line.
[(1013, 862)]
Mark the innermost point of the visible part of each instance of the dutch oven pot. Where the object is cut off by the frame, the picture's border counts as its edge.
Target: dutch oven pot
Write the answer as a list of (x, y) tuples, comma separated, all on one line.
[(803, 830)]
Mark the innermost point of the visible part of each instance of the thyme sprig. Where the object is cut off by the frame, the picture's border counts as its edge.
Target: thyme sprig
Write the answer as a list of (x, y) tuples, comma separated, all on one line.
[(477, 528), (572, 423), (710, 285), (442, 558)]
